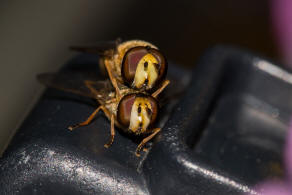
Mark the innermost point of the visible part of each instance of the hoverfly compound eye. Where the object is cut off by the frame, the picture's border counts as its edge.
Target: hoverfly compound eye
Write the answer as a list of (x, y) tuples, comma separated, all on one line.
[(137, 112), (143, 67)]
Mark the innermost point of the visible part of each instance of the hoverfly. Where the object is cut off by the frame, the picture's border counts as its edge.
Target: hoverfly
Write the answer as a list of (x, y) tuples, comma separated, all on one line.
[(130, 108), (136, 63)]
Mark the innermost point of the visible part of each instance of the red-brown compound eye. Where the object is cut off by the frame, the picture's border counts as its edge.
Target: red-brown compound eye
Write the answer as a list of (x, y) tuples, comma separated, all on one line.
[(143, 67), (153, 110), (137, 112), (124, 109)]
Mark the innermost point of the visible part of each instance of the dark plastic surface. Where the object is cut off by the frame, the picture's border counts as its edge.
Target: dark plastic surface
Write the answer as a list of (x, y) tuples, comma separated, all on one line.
[(224, 135)]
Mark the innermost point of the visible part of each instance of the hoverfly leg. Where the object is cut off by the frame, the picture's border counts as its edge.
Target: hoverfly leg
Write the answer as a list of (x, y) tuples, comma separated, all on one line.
[(88, 120), (158, 91), (111, 76), (112, 132), (145, 140)]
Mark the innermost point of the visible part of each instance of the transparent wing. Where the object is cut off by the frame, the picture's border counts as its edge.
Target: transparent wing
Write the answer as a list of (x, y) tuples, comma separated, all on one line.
[(101, 48), (77, 83)]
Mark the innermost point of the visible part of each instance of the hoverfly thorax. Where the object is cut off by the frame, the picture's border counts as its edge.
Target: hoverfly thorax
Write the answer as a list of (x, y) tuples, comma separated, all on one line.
[(137, 112), (143, 67)]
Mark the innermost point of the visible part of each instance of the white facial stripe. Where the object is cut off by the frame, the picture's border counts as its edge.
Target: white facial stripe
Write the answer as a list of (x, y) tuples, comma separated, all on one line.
[(146, 70), (140, 119)]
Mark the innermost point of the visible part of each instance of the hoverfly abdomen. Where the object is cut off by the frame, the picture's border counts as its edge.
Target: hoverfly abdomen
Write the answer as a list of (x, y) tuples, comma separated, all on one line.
[(143, 67), (137, 112)]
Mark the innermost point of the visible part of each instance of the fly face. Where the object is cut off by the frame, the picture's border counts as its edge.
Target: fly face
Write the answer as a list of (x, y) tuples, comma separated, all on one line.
[(141, 114), (137, 112), (143, 67)]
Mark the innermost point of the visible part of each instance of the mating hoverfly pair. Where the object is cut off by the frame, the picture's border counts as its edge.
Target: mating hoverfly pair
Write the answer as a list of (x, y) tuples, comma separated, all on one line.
[(136, 71)]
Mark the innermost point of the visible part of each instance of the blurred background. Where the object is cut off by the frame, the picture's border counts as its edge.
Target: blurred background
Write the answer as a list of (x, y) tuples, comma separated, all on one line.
[(35, 36)]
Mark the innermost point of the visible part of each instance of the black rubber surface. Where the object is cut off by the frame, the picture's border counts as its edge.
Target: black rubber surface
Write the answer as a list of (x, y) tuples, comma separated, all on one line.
[(222, 133)]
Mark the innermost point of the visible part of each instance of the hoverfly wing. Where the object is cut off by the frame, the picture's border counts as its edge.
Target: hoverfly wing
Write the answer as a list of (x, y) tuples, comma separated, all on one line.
[(100, 48), (76, 83)]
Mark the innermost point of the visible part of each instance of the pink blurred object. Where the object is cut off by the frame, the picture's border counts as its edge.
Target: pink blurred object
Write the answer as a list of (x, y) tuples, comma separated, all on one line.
[(281, 12), (288, 156), (271, 188), (281, 187)]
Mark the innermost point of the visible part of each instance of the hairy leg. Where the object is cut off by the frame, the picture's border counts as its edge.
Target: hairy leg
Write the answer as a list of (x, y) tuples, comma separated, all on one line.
[(89, 119), (145, 140), (107, 145), (111, 76), (161, 88)]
